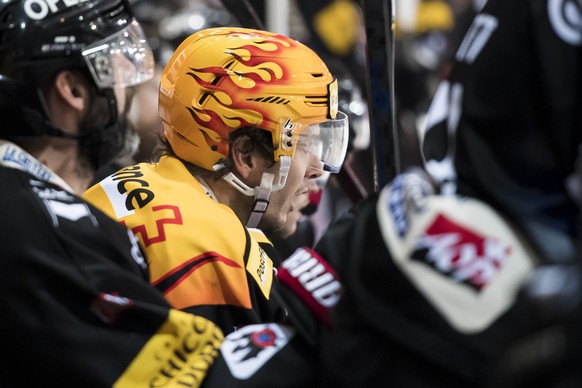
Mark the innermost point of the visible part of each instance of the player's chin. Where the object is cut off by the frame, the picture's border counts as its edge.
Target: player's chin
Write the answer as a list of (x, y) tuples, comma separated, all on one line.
[(271, 223)]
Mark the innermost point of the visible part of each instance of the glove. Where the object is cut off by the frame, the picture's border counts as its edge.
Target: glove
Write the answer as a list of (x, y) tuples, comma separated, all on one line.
[(270, 354), (309, 289)]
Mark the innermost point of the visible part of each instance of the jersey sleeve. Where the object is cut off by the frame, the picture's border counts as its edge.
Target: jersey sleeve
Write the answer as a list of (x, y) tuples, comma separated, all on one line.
[(505, 124), (77, 309), (200, 256)]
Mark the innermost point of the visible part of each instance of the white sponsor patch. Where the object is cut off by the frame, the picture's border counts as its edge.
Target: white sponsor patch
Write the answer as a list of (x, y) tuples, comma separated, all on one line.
[(461, 256), (118, 200), (246, 350)]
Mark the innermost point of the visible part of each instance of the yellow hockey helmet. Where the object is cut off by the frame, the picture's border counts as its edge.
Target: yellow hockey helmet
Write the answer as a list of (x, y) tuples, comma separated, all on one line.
[(222, 79)]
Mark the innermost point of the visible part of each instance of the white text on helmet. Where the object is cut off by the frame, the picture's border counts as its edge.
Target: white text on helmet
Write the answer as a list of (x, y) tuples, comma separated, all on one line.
[(39, 9)]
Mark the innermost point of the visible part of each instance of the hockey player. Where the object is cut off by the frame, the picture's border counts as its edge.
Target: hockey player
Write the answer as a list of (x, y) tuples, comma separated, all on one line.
[(77, 309), (433, 265), (249, 117)]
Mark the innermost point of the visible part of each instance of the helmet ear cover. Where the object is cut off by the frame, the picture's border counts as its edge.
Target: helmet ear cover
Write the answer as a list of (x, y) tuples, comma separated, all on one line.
[(222, 79)]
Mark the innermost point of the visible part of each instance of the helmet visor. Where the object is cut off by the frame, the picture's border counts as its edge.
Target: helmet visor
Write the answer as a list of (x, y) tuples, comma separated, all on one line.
[(329, 141), (121, 60)]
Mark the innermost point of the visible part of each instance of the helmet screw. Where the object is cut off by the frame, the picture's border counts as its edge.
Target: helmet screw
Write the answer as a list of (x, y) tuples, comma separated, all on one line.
[(213, 147), (289, 144), (289, 133)]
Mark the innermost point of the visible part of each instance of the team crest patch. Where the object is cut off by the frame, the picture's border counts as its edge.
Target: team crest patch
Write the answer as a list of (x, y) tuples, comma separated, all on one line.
[(246, 350), (461, 254)]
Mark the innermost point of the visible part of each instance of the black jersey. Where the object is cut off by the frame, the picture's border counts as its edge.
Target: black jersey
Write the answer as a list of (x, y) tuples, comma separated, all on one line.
[(77, 309), (430, 284), (505, 125)]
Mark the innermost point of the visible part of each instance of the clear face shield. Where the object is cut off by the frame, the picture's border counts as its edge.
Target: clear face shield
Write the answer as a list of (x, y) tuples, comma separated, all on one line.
[(121, 60), (328, 141)]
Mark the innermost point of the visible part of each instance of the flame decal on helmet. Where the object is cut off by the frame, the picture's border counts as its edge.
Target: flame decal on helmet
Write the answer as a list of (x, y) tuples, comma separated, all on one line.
[(250, 72), (223, 79)]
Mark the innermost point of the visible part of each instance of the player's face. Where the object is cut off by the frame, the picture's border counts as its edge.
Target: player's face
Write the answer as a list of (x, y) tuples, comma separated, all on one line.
[(305, 165), (300, 202), (105, 141)]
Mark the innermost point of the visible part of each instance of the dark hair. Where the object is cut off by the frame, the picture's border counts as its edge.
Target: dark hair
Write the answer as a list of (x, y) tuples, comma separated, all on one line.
[(257, 140)]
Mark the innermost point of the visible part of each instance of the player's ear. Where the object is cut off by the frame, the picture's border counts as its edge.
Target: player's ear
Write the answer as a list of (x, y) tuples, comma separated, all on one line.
[(71, 87), (244, 160)]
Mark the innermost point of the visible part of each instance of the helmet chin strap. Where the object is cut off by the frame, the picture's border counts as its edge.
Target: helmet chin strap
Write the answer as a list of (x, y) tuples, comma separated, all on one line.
[(41, 126), (262, 192)]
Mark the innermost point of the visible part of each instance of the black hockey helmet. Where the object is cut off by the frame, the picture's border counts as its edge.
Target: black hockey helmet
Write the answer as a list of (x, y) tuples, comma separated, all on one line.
[(41, 37)]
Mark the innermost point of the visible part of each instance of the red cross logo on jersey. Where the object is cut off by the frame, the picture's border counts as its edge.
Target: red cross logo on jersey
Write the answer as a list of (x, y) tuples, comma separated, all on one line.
[(161, 233)]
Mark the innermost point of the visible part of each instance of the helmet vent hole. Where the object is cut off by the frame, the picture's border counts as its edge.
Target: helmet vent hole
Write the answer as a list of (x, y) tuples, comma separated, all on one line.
[(317, 75), (270, 100), (203, 98)]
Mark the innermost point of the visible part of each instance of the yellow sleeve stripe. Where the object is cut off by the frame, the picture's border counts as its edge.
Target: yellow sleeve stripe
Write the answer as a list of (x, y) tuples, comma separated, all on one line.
[(177, 355)]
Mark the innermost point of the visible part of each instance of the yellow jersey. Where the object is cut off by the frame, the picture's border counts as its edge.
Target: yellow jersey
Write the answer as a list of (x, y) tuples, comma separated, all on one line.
[(200, 255)]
